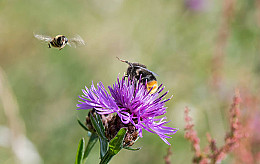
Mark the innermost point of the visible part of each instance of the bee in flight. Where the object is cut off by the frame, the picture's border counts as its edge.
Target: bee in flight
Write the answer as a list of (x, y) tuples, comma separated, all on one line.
[(60, 41), (135, 71)]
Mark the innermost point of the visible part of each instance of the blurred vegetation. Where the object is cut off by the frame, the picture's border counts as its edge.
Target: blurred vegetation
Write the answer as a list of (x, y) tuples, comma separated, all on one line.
[(172, 39)]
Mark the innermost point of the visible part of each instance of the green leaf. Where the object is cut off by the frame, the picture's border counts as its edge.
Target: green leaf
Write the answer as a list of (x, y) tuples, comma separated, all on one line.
[(116, 144), (82, 125), (91, 142), (98, 125), (80, 152), (103, 147), (98, 118), (132, 149)]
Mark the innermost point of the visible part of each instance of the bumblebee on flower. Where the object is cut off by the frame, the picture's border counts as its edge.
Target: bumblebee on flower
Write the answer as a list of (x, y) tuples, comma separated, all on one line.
[(133, 106)]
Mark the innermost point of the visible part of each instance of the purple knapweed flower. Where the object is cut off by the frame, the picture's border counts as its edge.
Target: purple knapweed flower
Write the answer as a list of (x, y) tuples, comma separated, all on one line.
[(132, 103), (195, 5)]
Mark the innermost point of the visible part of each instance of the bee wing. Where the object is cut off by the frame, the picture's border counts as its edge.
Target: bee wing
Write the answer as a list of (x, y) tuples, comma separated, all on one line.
[(148, 70), (43, 37), (76, 41)]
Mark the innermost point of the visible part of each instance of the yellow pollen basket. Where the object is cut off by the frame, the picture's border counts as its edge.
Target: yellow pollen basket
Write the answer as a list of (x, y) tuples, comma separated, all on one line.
[(152, 84)]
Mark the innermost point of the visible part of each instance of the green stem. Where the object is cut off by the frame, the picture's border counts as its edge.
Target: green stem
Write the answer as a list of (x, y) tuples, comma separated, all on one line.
[(92, 141), (108, 156)]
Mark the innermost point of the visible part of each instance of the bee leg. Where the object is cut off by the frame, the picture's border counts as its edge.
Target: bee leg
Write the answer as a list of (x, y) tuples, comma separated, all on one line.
[(49, 45), (62, 46)]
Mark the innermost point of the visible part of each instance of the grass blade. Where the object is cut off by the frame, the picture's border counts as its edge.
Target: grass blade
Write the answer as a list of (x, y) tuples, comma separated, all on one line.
[(80, 152)]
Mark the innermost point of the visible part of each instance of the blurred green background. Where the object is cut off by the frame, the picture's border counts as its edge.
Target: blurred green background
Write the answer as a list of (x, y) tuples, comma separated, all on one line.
[(180, 41)]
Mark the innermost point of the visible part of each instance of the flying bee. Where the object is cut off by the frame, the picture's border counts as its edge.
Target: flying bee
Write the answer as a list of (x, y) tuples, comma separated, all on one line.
[(60, 41), (137, 71)]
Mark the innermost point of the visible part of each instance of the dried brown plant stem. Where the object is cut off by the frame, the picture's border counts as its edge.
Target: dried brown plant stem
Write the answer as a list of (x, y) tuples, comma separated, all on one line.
[(16, 125), (257, 2), (167, 158), (247, 150), (232, 139), (221, 42), (191, 135), (10, 106)]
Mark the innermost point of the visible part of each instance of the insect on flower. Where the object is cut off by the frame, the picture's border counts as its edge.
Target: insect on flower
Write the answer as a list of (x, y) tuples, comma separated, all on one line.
[(132, 105), (137, 71), (60, 41)]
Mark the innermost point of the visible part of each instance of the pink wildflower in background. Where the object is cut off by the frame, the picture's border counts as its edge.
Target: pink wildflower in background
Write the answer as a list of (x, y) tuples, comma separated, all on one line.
[(195, 5), (232, 139)]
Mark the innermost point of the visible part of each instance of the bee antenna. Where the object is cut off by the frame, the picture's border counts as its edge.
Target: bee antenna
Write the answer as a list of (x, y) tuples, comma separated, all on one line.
[(125, 61)]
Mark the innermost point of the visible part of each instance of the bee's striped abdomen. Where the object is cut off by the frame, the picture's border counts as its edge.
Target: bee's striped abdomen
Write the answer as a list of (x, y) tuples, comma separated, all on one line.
[(54, 43)]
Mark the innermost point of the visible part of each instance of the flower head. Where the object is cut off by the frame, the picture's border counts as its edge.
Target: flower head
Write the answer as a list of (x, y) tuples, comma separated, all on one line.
[(195, 5), (132, 103)]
